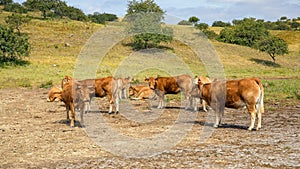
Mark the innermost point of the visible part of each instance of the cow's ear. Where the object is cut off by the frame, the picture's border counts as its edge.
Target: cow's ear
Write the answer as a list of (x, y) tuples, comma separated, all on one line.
[(146, 79)]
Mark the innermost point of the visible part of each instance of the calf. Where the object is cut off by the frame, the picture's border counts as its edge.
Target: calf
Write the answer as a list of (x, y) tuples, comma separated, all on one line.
[(134, 90), (107, 86), (144, 93), (247, 92), (195, 94), (123, 86), (171, 85), (54, 94)]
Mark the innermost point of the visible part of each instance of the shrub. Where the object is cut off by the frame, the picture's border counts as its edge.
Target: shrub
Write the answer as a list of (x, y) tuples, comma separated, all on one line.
[(12, 46)]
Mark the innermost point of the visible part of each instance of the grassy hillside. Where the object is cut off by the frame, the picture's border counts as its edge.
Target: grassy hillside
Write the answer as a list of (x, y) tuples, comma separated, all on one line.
[(56, 45)]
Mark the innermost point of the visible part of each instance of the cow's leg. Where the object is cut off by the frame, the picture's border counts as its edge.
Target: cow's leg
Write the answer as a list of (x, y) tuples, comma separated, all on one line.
[(258, 120), (160, 103), (252, 111), (194, 100), (72, 115), (68, 109), (204, 105), (161, 99), (111, 103), (216, 119), (117, 105), (259, 114)]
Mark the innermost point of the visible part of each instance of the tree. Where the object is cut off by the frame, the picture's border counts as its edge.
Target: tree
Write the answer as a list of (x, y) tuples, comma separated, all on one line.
[(42, 5), (146, 6), (15, 7), (220, 24), (145, 24), (5, 2), (16, 21), (12, 46), (273, 46), (194, 20), (185, 22), (75, 14), (202, 26), (244, 32), (102, 18)]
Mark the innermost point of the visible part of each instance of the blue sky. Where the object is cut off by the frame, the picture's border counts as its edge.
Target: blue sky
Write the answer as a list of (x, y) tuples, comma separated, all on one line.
[(206, 10)]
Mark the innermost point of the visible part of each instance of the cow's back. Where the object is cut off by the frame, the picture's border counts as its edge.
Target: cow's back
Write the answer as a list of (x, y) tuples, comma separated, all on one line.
[(167, 84), (104, 86)]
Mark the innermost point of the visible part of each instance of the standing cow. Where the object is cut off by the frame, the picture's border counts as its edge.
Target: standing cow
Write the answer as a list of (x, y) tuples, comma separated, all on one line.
[(123, 87), (100, 87), (171, 85), (195, 94), (247, 92)]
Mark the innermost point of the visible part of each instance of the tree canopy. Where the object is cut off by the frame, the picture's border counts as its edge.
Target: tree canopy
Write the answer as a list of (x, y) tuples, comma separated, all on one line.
[(145, 24), (273, 46), (12, 46)]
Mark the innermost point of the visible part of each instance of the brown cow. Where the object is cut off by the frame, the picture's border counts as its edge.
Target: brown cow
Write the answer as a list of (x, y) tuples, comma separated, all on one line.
[(171, 85), (195, 92), (107, 86), (75, 94), (123, 86), (134, 90), (247, 92), (144, 93), (54, 94), (65, 80)]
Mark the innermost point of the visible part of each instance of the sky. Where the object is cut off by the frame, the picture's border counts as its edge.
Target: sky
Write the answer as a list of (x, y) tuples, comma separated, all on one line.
[(207, 11)]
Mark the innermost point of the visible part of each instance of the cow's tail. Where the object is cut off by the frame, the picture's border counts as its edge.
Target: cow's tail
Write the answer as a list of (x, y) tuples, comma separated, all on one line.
[(260, 101)]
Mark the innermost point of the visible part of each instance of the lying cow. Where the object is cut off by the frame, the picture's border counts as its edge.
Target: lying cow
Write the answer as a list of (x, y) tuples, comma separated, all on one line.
[(247, 92), (171, 85), (54, 94), (123, 87), (134, 90), (142, 92)]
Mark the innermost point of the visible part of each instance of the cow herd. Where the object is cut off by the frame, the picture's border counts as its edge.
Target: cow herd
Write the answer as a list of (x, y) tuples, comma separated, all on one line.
[(218, 94)]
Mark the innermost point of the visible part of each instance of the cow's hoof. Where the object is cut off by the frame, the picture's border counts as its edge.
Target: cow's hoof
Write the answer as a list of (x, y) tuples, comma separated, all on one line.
[(250, 128), (257, 128), (117, 112), (215, 126)]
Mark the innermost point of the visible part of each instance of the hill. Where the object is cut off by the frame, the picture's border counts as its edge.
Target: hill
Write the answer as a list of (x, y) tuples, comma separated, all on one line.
[(56, 45)]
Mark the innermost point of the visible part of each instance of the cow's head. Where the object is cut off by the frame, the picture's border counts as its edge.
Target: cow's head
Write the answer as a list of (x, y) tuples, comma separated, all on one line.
[(54, 94), (131, 91), (152, 82), (66, 80)]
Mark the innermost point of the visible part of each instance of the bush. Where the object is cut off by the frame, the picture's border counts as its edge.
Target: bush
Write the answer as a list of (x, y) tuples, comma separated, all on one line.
[(102, 18), (15, 7), (12, 46), (185, 22)]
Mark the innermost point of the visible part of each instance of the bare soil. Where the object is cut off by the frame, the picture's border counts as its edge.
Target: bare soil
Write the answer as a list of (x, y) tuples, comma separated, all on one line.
[(36, 134)]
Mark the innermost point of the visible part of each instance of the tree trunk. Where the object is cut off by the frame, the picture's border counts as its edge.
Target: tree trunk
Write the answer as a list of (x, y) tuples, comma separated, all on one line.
[(273, 57)]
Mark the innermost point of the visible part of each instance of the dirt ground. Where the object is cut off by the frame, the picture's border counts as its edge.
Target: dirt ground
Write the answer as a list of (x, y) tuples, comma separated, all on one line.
[(36, 134)]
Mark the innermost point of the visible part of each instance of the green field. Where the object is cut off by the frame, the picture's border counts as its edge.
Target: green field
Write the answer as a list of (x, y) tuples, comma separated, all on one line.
[(57, 45)]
